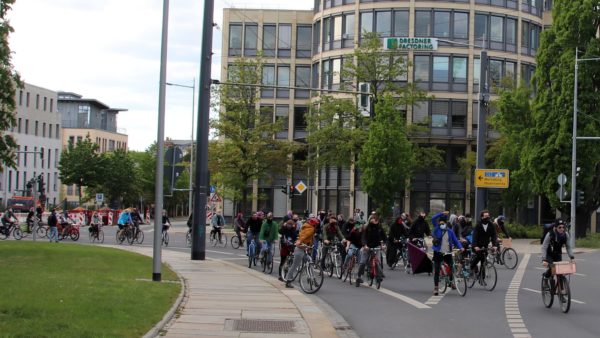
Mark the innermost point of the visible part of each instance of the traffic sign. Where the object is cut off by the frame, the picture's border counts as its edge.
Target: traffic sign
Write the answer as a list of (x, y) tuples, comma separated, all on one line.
[(561, 179), (300, 187), (213, 189), (561, 193), (99, 198), (491, 178), (215, 198)]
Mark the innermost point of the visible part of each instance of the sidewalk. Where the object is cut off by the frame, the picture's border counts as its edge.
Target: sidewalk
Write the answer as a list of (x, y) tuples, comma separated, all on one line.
[(223, 299)]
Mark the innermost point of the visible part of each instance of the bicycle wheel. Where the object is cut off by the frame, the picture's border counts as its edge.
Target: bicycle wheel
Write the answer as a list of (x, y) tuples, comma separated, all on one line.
[(547, 294), (263, 260), (286, 267), (510, 258), (460, 282), (443, 286), (328, 265), (337, 265), (129, 236), (311, 278), (565, 294), (165, 238), (100, 237), (235, 242), (223, 242), (17, 233), (491, 277), (139, 237), (250, 255), (42, 232), (270, 267), (348, 272), (74, 234), (91, 236)]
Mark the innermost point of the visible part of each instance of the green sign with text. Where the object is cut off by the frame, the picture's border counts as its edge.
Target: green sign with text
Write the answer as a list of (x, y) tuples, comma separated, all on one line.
[(411, 43)]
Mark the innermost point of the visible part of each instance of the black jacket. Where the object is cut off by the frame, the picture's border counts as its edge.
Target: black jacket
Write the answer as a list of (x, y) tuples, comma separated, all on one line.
[(482, 238), (397, 230), (254, 225), (419, 229), (373, 235)]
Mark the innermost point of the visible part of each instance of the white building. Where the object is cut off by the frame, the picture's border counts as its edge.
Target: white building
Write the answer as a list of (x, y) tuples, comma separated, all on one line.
[(38, 135)]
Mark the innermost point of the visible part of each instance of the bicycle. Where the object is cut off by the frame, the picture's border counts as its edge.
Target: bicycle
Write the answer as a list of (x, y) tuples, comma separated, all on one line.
[(69, 230), (401, 254), (252, 253), (96, 235), (218, 242), (235, 241), (16, 231), (165, 236), (375, 271), (487, 275), (138, 235), (350, 264), (333, 261), (558, 284), (506, 256), (266, 258), (310, 275), (456, 271)]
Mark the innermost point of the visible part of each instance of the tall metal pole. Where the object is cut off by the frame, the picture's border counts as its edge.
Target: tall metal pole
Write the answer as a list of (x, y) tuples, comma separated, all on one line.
[(574, 158), (160, 141), (199, 221), (480, 193), (191, 193)]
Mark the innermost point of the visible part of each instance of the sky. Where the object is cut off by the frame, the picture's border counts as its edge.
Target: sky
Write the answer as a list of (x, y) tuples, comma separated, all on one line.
[(109, 50)]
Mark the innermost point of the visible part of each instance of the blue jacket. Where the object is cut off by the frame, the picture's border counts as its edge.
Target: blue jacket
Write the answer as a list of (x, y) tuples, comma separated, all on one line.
[(437, 234)]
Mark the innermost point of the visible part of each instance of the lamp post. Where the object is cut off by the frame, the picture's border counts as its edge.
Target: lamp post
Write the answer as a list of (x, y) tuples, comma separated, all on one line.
[(193, 88)]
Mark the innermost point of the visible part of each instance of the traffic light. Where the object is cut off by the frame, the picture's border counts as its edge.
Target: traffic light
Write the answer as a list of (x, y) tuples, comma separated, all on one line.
[(580, 197), (284, 189), (291, 190)]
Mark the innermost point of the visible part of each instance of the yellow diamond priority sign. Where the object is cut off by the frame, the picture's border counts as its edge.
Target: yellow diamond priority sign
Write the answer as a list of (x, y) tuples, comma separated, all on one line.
[(300, 187), (491, 178)]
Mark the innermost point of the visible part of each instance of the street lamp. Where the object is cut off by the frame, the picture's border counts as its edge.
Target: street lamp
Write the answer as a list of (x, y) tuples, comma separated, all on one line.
[(574, 151), (193, 88)]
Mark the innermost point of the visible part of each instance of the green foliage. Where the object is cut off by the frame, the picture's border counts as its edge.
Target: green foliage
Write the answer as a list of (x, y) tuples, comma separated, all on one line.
[(81, 164), (9, 82), (56, 290), (524, 231), (590, 241), (120, 185), (145, 170)]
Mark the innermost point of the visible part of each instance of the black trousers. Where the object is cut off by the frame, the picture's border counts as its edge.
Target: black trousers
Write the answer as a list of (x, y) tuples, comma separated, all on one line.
[(438, 258)]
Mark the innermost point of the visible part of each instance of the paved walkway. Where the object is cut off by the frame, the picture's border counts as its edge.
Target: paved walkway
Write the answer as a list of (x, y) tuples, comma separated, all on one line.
[(226, 300)]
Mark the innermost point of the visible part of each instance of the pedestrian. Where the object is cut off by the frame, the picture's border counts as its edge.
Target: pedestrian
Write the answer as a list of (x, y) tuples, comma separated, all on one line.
[(53, 225)]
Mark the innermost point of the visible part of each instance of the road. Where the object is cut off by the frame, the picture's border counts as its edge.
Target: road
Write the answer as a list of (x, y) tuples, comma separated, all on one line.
[(405, 306)]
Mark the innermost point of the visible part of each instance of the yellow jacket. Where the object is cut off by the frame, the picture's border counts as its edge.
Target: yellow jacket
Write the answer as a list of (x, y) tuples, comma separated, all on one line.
[(306, 235)]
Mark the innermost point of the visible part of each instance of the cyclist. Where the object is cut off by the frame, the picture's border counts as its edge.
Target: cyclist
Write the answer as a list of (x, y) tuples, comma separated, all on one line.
[(289, 234), (8, 219), (269, 231), (95, 223), (552, 246), (419, 229), (397, 231), (499, 223), (239, 225), (443, 242), (354, 242), (483, 233), (124, 219), (372, 237), (29, 220), (217, 222), (166, 222), (305, 238), (253, 225), (331, 231)]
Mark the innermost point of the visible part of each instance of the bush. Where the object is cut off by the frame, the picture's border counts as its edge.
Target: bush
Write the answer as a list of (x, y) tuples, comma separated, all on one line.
[(524, 231), (589, 241)]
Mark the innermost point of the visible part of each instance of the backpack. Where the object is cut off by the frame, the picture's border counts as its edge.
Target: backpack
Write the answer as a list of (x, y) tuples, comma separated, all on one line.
[(219, 222)]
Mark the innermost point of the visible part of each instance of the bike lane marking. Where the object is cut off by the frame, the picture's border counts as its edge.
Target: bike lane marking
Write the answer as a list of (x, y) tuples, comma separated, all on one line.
[(511, 302), (539, 292), (401, 297)]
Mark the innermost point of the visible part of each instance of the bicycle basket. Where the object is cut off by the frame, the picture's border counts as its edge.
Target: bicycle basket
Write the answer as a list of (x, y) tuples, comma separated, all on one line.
[(564, 268), (506, 242)]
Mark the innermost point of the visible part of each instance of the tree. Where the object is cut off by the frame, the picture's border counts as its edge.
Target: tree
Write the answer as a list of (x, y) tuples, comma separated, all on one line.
[(9, 82), (120, 184), (145, 171), (575, 26), (82, 165), (247, 148)]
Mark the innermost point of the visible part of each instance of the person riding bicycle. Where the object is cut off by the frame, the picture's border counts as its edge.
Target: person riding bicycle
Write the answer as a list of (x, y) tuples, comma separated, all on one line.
[(444, 241), (65, 223), (483, 233), (552, 246), (217, 222), (418, 230), (269, 232), (331, 231), (305, 238), (499, 223), (30, 219), (124, 219), (239, 225), (8, 220), (289, 234), (372, 237), (398, 231), (95, 223), (354, 242), (166, 222), (253, 225)]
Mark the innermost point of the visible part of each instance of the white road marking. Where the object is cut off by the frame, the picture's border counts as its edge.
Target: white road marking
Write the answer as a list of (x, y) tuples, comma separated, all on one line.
[(401, 297), (511, 302), (220, 252), (538, 291)]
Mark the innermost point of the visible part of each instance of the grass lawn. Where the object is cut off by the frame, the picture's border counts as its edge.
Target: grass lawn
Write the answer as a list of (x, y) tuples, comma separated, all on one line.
[(60, 290), (590, 241)]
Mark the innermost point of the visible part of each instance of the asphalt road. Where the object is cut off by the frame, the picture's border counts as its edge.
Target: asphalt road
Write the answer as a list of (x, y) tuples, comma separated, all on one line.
[(405, 306)]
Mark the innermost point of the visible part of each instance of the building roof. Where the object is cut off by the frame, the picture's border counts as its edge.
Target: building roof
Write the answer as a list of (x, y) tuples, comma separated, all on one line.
[(74, 97)]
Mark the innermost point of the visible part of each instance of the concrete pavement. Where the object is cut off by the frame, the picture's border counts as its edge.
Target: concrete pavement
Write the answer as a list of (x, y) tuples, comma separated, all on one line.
[(222, 299)]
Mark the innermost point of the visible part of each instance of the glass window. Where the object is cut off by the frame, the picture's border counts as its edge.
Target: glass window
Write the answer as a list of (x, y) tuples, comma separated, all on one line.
[(480, 26), (423, 23), (337, 67), (476, 71), (303, 76), (461, 25), (511, 31), (401, 23), (303, 36), (439, 121), (459, 69), (283, 76), (285, 37), (326, 32), (534, 35), (497, 29), (440, 69), (235, 39), (251, 37), (268, 75), (349, 27), (495, 72), (441, 24), (326, 73), (317, 37), (510, 70), (384, 23), (421, 67), (366, 22), (459, 114), (337, 28), (525, 34)]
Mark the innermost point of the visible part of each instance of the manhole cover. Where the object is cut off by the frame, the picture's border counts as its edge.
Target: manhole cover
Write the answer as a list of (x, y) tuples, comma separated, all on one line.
[(255, 325)]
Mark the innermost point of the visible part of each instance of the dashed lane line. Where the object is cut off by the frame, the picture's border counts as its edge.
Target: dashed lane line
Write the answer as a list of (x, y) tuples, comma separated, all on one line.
[(511, 302), (538, 291), (400, 296)]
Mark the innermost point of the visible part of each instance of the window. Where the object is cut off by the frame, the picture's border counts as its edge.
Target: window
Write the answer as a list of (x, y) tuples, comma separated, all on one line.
[(497, 29), (459, 114), (300, 117), (440, 69), (250, 40), (366, 23), (439, 114), (510, 71), (476, 72), (327, 34), (51, 105), (302, 80), (35, 157), (19, 125), (55, 158), (337, 68), (423, 23), (27, 102), (235, 39), (269, 39), (461, 25), (420, 112), (511, 31), (268, 78), (283, 80), (26, 126), (495, 73), (20, 97), (441, 24), (50, 130), (400, 23), (459, 69), (45, 103), (57, 131), (326, 74), (315, 75), (421, 68), (282, 116), (316, 37), (37, 101), (348, 35), (303, 36), (384, 23), (54, 182), (284, 43), (44, 129), (480, 27), (337, 32), (36, 128)]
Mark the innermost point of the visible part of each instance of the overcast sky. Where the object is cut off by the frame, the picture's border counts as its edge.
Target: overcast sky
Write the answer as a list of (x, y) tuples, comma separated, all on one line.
[(109, 50)]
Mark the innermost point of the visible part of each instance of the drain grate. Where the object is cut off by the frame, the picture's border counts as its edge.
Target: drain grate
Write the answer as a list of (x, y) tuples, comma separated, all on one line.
[(255, 325)]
